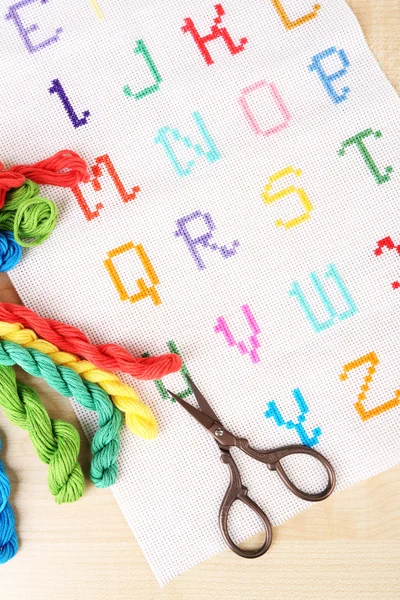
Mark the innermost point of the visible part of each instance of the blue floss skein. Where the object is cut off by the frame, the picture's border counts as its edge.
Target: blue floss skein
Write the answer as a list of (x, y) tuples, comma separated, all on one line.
[(10, 251), (8, 536)]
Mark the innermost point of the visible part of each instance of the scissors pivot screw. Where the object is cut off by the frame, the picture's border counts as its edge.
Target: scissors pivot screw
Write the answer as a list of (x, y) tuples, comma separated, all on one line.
[(219, 432)]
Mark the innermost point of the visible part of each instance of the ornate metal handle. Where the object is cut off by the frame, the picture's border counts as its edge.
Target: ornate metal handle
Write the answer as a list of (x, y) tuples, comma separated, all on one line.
[(237, 491), (273, 460)]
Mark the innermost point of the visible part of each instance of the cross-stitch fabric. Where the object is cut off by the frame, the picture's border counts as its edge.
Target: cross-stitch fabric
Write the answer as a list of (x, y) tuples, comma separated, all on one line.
[(242, 212)]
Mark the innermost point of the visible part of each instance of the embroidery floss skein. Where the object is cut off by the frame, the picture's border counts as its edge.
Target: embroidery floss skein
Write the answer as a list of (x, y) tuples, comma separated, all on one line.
[(10, 251), (56, 442), (8, 535), (106, 441), (110, 357), (65, 169), (139, 418), (31, 217)]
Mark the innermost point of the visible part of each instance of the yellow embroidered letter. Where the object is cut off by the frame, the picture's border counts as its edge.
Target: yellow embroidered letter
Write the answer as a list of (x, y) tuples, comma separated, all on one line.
[(269, 198)]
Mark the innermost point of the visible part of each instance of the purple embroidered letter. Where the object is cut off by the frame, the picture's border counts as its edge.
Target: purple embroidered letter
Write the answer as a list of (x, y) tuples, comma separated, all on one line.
[(25, 31), (202, 240), (58, 89), (222, 327)]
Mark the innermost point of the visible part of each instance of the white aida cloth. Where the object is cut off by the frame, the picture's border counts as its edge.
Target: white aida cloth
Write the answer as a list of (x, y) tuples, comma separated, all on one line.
[(265, 141)]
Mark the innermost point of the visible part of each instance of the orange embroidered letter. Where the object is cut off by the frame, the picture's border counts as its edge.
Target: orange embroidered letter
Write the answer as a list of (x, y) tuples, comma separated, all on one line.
[(300, 21), (144, 290), (373, 361)]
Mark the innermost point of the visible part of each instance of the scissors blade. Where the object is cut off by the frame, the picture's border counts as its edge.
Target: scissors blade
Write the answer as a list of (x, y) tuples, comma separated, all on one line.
[(202, 418), (201, 401)]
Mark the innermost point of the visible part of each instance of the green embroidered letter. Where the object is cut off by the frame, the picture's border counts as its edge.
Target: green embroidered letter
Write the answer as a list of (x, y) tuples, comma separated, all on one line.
[(184, 372), (358, 140), (141, 49)]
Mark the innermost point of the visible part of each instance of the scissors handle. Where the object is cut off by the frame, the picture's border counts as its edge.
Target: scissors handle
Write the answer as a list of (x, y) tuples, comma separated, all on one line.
[(237, 491), (273, 460)]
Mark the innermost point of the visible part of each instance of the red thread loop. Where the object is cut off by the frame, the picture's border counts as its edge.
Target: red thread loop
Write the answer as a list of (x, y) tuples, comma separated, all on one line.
[(64, 169), (8, 179), (110, 357)]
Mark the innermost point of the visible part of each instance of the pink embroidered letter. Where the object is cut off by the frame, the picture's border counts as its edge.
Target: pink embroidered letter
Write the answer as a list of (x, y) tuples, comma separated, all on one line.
[(222, 327), (278, 100)]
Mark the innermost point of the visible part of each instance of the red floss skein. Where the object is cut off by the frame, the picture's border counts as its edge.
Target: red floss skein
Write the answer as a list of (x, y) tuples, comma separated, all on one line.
[(105, 356), (8, 180), (64, 169)]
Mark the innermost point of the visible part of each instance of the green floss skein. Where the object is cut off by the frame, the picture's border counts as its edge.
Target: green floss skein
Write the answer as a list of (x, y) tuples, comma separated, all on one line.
[(29, 216), (106, 440), (56, 442)]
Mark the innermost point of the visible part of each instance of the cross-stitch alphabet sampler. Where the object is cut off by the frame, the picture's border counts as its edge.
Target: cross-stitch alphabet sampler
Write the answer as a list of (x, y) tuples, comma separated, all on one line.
[(242, 211)]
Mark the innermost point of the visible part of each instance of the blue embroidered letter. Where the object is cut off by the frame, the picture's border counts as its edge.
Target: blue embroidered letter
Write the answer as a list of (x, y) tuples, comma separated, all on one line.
[(274, 412), (328, 80)]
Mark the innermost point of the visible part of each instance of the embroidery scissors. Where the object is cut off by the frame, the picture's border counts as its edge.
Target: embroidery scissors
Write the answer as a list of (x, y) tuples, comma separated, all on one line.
[(272, 458)]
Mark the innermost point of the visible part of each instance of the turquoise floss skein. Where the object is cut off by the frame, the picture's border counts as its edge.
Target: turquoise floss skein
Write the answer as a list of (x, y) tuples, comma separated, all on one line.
[(8, 536), (106, 441)]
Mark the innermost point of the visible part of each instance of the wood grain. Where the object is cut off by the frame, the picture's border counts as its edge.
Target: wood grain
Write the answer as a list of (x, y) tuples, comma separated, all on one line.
[(347, 548)]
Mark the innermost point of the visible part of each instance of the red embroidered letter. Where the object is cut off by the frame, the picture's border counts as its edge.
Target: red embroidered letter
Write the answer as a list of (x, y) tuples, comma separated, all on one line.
[(216, 32), (97, 173), (388, 243)]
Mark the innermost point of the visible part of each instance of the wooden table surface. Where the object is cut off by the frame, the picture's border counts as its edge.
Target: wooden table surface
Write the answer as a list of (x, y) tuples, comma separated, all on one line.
[(347, 548)]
